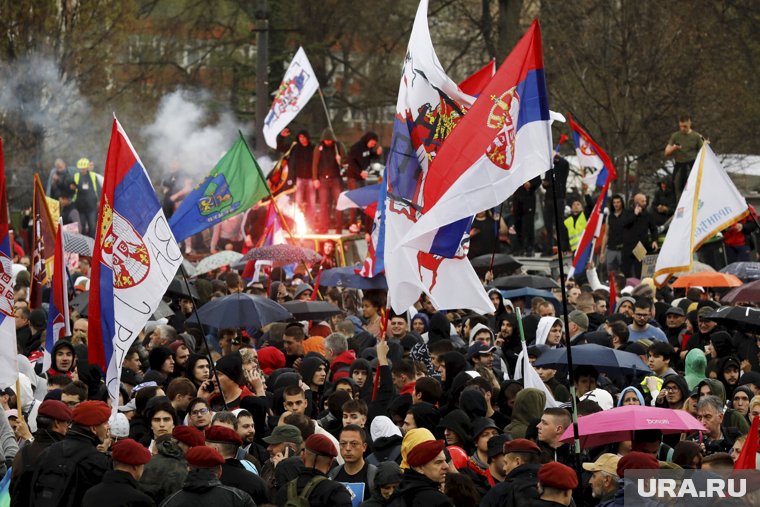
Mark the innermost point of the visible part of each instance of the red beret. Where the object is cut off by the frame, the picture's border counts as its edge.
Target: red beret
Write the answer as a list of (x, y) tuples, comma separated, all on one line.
[(223, 435), (424, 452), (189, 435), (55, 409), (91, 413), (321, 445), (270, 359), (558, 476), (204, 457), (129, 452), (637, 461), (522, 445)]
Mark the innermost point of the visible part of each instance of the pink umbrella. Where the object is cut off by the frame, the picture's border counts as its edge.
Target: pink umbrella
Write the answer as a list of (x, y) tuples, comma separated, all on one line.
[(618, 424)]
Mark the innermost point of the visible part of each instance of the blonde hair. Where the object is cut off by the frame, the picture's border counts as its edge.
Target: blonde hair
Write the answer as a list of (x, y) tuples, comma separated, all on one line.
[(754, 401)]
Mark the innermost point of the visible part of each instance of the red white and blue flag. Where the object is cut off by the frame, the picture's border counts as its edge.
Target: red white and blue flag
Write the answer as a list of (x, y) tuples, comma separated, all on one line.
[(478, 80), (606, 174), (429, 106), (273, 231), (58, 309), (595, 172), (364, 198), (134, 259), (502, 142), (374, 262), (8, 359)]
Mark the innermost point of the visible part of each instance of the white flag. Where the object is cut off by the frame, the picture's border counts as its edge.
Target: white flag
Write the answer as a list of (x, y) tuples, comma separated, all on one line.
[(524, 370), (710, 202), (297, 87)]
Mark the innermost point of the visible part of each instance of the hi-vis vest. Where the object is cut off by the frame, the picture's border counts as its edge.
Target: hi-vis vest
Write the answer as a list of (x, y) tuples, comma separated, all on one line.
[(93, 179), (575, 231)]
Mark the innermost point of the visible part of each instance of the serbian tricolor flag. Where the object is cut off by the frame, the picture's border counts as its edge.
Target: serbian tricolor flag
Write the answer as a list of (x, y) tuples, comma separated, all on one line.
[(478, 80), (273, 232), (58, 309), (8, 359), (595, 171), (503, 141), (598, 158), (134, 259), (364, 198), (429, 106)]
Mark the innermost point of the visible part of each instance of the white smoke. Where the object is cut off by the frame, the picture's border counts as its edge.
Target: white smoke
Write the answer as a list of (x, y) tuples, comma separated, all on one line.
[(186, 131)]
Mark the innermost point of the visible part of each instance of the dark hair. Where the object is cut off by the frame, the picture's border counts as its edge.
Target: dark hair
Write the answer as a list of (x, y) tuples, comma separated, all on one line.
[(224, 417), (76, 388), (293, 390), (355, 406), (620, 330), (643, 302), (588, 407), (181, 386), (401, 315), (59, 380), (162, 406), (143, 396), (303, 422), (441, 347), (663, 349), (375, 298), (195, 401), (646, 436), (461, 489), (233, 280), (684, 453), (404, 367), (429, 389), (295, 331), (684, 118), (475, 319), (356, 428)]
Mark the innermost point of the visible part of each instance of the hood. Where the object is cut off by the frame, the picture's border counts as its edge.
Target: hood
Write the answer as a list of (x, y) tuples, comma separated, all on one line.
[(638, 395), (424, 318), (500, 309), (381, 427), (680, 382), (716, 387), (473, 402), (309, 365), (367, 137), (544, 326), (388, 472), (328, 135), (454, 364), (529, 405), (440, 328), (167, 446), (476, 329), (426, 416), (696, 366), (459, 422), (346, 358)]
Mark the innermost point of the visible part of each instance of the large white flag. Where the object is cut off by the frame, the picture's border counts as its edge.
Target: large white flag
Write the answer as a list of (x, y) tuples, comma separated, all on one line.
[(297, 87), (710, 202)]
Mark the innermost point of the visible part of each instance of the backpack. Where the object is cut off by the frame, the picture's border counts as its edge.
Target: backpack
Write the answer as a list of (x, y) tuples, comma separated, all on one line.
[(55, 486), (302, 500)]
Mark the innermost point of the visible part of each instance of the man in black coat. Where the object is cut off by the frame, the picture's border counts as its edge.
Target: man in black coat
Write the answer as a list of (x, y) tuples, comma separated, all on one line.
[(227, 441), (359, 158), (561, 170), (522, 459), (53, 419), (524, 211), (639, 226), (422, 480), (119, 486)]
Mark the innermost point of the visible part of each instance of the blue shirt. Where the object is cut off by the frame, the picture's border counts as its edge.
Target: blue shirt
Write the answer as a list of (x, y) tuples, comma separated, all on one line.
[(650, 332)]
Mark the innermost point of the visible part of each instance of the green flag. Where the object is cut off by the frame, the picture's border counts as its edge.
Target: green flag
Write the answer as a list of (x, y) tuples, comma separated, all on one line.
[(233, 186)]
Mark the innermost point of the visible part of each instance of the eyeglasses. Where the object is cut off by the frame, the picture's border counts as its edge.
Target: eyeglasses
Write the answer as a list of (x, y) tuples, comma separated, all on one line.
[(200, 411), (672, 389)]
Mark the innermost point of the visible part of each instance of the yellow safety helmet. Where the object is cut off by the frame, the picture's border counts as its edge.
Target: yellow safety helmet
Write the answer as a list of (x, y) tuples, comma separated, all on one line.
[(83, 163)]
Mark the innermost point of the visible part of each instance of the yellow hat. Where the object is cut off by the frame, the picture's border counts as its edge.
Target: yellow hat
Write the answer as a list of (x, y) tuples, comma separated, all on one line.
[(83, 163), (607, 462), (412, 438)]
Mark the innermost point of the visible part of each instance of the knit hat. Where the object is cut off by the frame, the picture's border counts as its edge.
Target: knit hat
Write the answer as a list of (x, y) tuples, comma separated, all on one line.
[(411, 439), (157, 356), (496, 445), (55, 409), (301, 289), (320, 445), (558, 476), (204, 457), (129, 452), (119, 425), (424, 452), (189, 435), (231, 365), (270, 359), (223, 435), (580, 318), (91, 413)]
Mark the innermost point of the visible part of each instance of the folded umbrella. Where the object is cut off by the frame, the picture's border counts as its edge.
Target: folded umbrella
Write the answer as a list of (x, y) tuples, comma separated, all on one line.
[(241, 310), (604, 359), (747, 293), (619, 423), (347, 277), (216, 261), (524, 281), (311, 310), (503, 264)]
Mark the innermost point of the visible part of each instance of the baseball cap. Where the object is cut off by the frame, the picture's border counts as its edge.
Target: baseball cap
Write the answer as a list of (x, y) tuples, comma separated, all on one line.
[(607, 462)]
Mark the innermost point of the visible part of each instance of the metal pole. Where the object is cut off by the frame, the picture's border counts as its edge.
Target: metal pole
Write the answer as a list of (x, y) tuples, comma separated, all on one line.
[(324, 106), (262, 72)]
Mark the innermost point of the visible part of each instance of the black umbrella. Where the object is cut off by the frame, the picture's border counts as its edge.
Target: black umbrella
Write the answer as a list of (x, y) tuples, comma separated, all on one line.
[(738, 317), (311, 310), (523, 281), (503, 264), (178, 289), (81, 304), (241, 310), (604, 359)]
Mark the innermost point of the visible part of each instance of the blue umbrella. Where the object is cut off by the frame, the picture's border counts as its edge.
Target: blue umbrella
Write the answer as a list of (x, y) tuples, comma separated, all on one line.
[(347, 277), (604, 359), (530, 293), (241, 310)]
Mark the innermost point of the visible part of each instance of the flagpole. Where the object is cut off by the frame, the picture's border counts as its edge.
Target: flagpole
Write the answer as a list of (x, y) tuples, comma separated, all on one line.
[(324, 106), (205, 342), (571, 380)]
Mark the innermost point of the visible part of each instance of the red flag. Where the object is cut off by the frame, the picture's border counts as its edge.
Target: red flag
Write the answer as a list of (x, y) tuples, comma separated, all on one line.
[(748, 457), (43, 243), (476, 82)]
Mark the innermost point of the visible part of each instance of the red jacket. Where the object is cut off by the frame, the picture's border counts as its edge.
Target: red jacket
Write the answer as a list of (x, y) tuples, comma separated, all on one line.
[(408, 389), (733, 237), (341, 364)]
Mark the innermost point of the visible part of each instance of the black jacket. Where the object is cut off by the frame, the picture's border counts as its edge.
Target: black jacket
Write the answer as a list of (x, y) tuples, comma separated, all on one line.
[(203, 489), (236, 475), (25, 463), (118, 489), (416, 489), (519, 484), (79, 450), (637, 228), (166, 472), (327, 493), (615, 231), (360, 156)]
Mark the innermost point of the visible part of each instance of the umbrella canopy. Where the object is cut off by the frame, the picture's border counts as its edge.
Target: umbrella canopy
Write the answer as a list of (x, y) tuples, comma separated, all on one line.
[(524, 281), (749, 293), (604, 359), (529, 294), (311, 310), (697, 267), (74, 242), (282, 255), (739, 317), (81, 304), (241, 310), (178, 289), (619, 423), (216, 261), (503, 264), (746, 271), (189, 267), (347, 277), (706, 280)]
